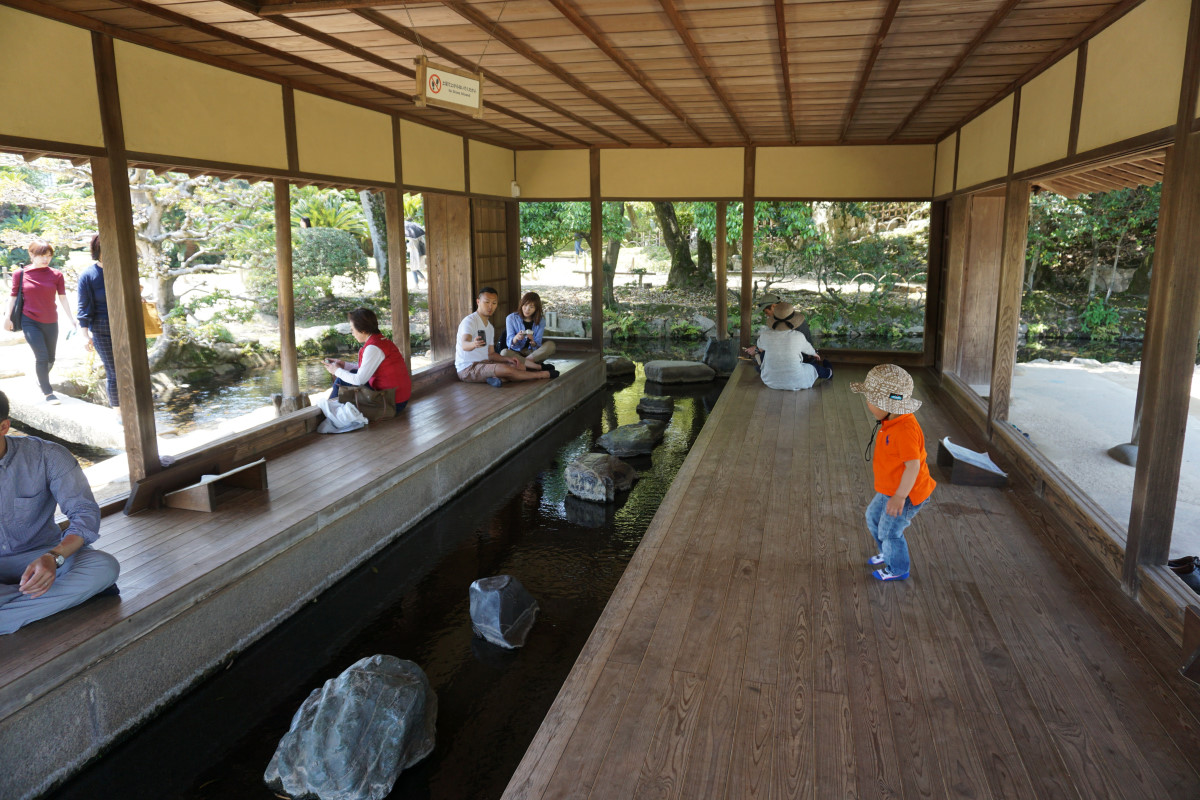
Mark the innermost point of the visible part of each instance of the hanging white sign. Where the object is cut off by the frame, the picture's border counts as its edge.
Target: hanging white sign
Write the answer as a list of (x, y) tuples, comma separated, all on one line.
[(444, 87)]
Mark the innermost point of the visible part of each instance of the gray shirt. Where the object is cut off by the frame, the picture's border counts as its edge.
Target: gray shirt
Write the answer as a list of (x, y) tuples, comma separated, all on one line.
[(36, 475)]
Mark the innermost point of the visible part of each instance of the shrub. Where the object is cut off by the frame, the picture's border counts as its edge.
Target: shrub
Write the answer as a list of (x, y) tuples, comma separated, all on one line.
[(321, 254)]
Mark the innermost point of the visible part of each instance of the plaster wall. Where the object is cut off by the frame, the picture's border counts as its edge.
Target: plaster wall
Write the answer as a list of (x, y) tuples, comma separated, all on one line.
[(944, 180), (492, 169), (335, 138), (857, 172), (638, 174), (432, 159), (554, 174), (984, 145), (1044, 121)]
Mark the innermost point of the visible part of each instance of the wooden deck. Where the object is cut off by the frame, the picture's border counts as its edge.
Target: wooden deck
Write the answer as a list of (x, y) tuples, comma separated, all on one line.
[(198, 587), (747, 652)]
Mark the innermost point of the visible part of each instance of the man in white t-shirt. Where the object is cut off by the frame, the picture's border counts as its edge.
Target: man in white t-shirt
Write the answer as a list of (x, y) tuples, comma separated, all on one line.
[(475, 355)]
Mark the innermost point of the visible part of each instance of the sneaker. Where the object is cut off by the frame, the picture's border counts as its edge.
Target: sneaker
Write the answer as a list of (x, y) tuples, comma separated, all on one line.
[(52, 400), (109, 591), (876, 560), (886, 574), (551, 369), (494, 381)]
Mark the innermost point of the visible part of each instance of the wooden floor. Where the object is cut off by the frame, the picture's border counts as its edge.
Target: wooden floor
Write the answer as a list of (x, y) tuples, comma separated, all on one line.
[(172, 559), (748, 653)]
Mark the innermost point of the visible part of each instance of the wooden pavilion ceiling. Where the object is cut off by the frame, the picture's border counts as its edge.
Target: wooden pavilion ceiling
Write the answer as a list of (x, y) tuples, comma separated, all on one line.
[(1142, 170), (570, 73)]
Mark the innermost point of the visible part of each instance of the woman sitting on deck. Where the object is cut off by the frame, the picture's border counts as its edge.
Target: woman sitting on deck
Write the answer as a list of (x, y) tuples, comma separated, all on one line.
[(380, 363), (784, 355), (524, 331)]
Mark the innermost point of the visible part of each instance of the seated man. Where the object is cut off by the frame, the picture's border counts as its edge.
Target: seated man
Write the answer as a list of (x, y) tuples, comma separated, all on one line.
[(784, 355), (43, 570), (475, 355)]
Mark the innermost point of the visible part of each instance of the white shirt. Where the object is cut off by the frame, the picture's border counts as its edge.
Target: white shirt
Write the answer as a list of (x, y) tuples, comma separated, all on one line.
[(783, 367), (469, 327), (371, 357)]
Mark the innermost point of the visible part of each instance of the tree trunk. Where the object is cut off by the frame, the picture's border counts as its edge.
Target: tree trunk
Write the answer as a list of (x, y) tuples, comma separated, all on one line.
[(609, 263), (684, 274), (1095, 267), (377, 224), (704, 256)]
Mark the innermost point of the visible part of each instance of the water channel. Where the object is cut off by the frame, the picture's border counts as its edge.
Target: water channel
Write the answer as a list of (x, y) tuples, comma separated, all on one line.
[(411, 601)]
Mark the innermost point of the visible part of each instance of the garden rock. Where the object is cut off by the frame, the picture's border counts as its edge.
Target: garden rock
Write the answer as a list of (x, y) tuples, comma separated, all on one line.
[(342, 328), (502, 611), (634, 440), (679, 372), (707, 326), (598, 477), (353, 737), (721, 355), (653, 405), (615, 366)]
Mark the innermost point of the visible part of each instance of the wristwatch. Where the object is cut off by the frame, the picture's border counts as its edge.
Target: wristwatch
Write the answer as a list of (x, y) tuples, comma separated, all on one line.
[(59, 558)]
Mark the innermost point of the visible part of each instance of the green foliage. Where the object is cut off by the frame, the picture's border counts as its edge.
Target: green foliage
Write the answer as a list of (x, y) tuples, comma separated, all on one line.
[(685, 331), (414, 208), (625, 325), (547, 228), (1099, 321), (329, 208), (321, 254)]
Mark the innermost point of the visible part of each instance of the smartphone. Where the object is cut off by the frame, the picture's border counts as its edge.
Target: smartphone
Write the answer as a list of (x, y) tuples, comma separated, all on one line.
[(481, 334)]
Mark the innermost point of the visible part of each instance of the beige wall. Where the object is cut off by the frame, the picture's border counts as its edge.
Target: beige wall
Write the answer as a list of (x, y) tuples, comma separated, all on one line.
[(944, 181), (1044, 121), (676, 174), (47, 80), (432, 159), (492, 169), (984, 145), (1133, 74), (902, 171), (176, 107), (554, 174), (334, 138)]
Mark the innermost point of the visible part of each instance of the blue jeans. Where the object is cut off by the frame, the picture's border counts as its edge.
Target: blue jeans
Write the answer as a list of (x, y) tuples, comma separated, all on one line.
[(43, 340), (888, 531)]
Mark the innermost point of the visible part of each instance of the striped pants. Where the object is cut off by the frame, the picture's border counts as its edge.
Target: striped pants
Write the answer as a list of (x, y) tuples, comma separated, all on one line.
[(102, 340)]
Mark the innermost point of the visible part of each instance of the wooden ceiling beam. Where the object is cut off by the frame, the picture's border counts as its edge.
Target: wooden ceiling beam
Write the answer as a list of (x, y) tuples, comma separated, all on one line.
[(781, 28), (681, 28), (409, 35), (979, 39), (270, 8), (885, 24), (568, 10), (493, 28)]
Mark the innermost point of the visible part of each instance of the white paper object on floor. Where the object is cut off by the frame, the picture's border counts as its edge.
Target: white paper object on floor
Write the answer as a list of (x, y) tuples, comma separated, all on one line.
[(339, 417), (981, 460)]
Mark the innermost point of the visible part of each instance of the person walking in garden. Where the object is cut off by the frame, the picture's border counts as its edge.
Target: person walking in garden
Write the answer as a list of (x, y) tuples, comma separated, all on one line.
[(93, 321), (37, 285), (902, 480), (475, 356), (525, 331), (783, 354)]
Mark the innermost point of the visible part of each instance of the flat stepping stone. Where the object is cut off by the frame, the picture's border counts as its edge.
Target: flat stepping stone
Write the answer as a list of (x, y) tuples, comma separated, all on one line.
[(598, 477), (637, 439), (653, 405), (679, 372), (616, 366)]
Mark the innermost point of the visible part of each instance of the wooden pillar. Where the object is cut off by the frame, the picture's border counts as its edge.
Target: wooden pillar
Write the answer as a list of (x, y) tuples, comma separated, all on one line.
[(1008, 299), (746, 328), (722, 278), (958, 218), (935, 264), (114, 216), (597, 254), (291, 399), (393, 207), (512, 236), (1169, 351)]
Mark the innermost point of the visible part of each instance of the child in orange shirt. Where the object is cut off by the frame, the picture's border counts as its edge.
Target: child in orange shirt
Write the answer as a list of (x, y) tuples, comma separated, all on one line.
[(902, 480)]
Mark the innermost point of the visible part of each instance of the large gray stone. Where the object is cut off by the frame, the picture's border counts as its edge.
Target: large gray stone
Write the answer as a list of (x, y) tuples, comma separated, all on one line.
[(616, 366), (634, 440), (502, 611), (598, 477), (721, 355), (679, 372), (351, 738), (653, 405)]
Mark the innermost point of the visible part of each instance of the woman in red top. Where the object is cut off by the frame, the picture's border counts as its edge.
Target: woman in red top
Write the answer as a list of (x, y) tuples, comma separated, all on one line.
[(39, 284), (380, 363)]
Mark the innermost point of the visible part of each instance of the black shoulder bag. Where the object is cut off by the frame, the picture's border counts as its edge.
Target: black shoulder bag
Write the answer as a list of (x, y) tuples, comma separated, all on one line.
[(19, 306)]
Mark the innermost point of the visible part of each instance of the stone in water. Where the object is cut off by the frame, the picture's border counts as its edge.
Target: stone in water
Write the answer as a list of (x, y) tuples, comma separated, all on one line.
[(502, 611)]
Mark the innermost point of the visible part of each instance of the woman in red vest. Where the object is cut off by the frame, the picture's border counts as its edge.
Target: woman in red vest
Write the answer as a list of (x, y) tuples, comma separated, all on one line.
[(380, 363)]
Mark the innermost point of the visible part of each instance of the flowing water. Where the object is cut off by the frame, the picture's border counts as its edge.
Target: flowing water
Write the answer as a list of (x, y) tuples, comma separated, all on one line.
[(411, 601)]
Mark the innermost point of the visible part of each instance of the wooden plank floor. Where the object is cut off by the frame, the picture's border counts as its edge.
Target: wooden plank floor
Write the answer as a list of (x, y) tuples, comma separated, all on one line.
[(173, 555), (747, 652)]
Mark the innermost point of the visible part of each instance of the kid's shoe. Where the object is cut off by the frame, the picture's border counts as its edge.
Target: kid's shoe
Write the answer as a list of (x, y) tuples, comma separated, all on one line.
[(876, 560), (886, 574), (494, 381)]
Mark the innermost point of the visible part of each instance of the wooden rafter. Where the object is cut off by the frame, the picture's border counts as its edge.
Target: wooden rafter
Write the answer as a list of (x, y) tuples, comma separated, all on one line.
[(408, 34), (681, 28), (505, 37), (274, 7), (781, 28), (979, 39), (884, 25), (568, 10)]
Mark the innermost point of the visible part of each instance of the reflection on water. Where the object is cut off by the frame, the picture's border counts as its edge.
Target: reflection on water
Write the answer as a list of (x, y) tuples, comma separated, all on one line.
[(411, 601)]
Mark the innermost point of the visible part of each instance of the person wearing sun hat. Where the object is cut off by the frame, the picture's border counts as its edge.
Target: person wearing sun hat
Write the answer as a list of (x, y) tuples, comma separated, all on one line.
[(902, 480), (785, 357)]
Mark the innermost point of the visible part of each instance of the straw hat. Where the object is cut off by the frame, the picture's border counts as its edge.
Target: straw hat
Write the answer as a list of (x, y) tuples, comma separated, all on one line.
[(785, 318), (890, 388), (767, 300)]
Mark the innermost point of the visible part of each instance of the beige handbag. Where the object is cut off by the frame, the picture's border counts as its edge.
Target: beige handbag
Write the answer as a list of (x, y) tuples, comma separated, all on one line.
[(372, 403)]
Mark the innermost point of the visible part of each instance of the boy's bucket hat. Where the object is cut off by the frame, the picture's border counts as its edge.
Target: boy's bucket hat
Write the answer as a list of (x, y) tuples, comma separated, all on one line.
[(890, 388), (785, 318)]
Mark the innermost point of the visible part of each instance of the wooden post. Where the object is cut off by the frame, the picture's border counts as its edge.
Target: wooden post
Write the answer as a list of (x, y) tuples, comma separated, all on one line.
[(393, 207), (747, 248), (597, 255), (722, 278), (934, 267), (114, 216), (1169, 352), (290, 399), (1008, 300)]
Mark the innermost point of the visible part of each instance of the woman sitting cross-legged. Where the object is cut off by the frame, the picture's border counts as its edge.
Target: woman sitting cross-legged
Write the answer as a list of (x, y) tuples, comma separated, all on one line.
[(380, 363), (785, 357), (524, 332)]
